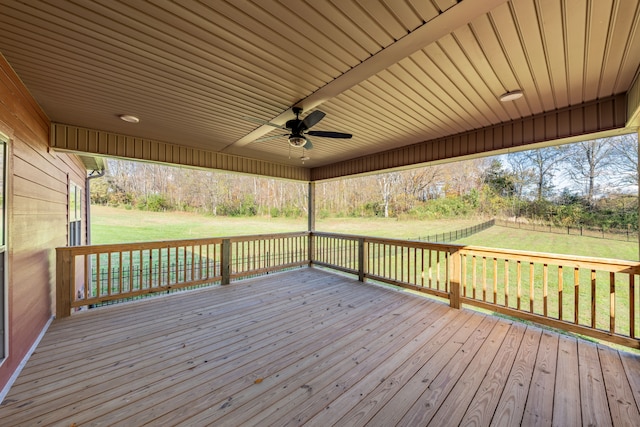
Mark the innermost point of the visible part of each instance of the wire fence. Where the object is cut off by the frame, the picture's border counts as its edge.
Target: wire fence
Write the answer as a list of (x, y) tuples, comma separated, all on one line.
[(627, 235), (456, 234)]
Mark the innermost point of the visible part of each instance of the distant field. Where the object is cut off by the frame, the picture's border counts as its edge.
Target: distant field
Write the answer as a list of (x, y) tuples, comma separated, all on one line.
[(510, 238), (112, 225)]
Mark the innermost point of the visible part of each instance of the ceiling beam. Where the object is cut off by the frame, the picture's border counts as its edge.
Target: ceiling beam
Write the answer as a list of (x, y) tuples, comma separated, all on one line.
[(443, 24), (604, 117), (79, 140)]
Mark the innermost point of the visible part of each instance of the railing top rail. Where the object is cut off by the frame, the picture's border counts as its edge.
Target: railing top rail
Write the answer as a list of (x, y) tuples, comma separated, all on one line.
[(137, 246), (390, 241), (616, 265), (267, 236)]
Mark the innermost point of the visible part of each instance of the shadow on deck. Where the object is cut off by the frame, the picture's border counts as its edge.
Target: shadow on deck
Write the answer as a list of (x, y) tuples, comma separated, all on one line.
[(316, 348)]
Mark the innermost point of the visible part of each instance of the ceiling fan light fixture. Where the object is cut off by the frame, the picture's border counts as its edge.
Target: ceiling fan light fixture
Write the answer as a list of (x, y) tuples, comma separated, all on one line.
[(511, 95), (297, 141), (129, 118)]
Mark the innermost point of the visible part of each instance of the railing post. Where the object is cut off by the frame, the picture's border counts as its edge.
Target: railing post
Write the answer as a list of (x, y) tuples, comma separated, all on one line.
[(454, 284), (225, 262), (311, 248), (63, 283), (363, 256)]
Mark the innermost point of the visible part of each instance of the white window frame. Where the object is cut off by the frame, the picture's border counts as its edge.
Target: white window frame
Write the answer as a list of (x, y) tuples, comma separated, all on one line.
[(75, 215), (4, 190)]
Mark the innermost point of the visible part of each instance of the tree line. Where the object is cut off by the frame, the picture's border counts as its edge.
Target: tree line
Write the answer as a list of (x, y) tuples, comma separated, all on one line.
[(592, 183)]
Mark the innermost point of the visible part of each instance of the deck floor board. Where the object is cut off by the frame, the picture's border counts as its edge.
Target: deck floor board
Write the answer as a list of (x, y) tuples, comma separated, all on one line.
[(315, 348)]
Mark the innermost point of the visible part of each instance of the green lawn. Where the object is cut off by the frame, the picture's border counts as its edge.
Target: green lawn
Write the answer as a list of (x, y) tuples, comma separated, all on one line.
[(112, 225), (512, 238)]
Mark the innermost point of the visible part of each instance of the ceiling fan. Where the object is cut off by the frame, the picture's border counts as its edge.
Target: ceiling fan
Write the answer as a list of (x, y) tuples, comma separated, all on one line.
[(299, 129)]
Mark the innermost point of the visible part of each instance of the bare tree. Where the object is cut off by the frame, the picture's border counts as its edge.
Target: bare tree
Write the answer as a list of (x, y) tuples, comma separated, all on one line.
[(386, 182), (588, 163), (625, 161), (461, 177), (540, 166)]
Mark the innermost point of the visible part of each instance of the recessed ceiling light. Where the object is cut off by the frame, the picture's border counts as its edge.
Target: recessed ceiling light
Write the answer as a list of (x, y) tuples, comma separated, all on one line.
[(511, 96), (129, 118)]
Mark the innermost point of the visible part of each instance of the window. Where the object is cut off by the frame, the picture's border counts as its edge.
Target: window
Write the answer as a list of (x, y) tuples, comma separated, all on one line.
[(75, 215)]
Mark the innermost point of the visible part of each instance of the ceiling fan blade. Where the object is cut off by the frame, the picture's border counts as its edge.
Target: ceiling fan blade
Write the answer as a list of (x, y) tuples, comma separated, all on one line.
[(308, 145), (313, 118), (328, 134), (267, 138), (263, 122)]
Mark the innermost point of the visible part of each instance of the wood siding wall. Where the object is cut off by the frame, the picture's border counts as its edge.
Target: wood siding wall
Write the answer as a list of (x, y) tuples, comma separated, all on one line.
[(37, 204), (603, 115), (75, 139)]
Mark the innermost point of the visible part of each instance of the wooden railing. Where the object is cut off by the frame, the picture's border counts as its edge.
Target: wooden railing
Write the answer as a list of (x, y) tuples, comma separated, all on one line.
[(92, 275), (590, 296)]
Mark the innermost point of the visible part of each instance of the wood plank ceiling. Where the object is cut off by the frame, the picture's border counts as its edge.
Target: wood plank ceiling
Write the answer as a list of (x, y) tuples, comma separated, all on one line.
[(392, 72)]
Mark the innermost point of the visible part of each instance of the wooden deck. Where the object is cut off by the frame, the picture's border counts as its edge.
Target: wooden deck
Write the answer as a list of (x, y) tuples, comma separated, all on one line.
[(315, 348)]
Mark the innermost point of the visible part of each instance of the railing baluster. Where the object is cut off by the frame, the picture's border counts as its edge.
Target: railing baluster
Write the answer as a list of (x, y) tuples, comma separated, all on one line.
[(151, 269), (438, 270), (87, 275), (576, 295), (593, 298), (612, 302), (632, 305), (430, 268), (484, 278), (531, 288), (422, 267), (560, 279), (506, 283), (120, 290), (415, 266), (98, 281), (109, 273), (495, 280), (464, 275), (130, 271), (473, 275), (544, 288), (519, 284)]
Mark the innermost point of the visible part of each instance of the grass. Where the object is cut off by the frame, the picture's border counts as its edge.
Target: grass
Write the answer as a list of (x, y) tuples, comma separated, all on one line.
[(511, 238), (113, 225)]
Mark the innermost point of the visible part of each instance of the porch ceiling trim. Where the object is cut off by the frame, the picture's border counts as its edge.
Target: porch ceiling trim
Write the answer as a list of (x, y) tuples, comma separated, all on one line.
[(79, 140), (565, 125)]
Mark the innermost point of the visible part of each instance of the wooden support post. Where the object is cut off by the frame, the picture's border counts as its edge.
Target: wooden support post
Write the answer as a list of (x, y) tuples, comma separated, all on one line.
[(63, 282), (311, 217), (363, 256), (225, 262), (311, 207), (454, 290), (311, 246)]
